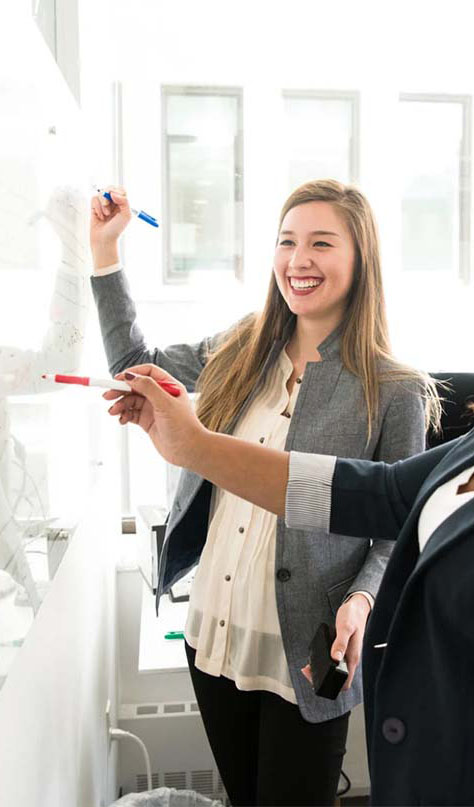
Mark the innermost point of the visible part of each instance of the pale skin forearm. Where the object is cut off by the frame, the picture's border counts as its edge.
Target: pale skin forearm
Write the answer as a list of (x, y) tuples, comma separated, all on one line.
[(105, 255), (254, 473)]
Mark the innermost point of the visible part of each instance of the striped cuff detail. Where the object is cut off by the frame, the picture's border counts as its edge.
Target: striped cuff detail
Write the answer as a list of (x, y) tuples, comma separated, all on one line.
[(107, 270), (308, 494)]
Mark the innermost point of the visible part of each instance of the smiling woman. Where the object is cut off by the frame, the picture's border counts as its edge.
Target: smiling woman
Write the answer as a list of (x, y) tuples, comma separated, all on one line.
[(328, 236), (313, 372)]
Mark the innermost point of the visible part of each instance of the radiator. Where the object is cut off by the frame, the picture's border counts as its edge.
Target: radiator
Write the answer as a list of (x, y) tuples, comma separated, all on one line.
[(180, 754)]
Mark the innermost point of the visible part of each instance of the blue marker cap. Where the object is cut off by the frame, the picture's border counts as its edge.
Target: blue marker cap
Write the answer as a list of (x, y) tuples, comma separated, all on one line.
[(146, 217), (140, 214)]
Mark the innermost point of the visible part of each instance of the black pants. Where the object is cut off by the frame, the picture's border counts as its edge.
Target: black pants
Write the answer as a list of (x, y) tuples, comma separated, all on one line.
[(266, 753)]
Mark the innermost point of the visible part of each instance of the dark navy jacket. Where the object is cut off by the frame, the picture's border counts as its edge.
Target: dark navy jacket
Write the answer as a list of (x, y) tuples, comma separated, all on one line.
[(419, 689)]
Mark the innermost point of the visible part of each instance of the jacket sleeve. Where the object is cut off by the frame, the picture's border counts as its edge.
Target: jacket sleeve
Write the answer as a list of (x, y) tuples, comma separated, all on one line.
[(356, 497), (373, 498), (124, 341), (402, 435)]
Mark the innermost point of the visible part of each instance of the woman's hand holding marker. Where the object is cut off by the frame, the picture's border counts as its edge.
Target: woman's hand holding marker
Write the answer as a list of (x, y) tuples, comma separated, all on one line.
[(108, 221), (169, 421)]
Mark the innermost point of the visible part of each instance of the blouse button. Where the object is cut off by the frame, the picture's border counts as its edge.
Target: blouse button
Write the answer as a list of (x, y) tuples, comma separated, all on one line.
[(222, 623), (227, 577), (262, 440), (241, 529), (299, 380)]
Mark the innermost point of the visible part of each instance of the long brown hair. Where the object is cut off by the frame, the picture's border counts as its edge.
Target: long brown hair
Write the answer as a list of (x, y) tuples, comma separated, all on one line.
[(234, 367)]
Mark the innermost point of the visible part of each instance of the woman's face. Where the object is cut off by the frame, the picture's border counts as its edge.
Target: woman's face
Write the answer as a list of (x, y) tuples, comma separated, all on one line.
[(314, 261)]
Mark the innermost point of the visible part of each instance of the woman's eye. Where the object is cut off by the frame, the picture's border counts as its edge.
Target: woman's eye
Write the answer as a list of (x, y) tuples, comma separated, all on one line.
[(322, 244), (286, 243)]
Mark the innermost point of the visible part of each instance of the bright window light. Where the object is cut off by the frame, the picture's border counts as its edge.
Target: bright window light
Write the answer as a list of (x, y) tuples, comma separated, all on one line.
[(321, 136), (202, 188), (435, 200)]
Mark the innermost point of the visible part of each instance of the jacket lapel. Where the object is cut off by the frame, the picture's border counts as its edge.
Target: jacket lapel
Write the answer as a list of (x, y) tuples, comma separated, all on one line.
[(406, 561), (447, 533), (460, 457), (269, 362), (389, 618)]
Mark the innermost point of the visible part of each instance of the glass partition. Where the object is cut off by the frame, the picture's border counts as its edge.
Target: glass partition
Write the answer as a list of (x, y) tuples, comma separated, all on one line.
[(50, 447)]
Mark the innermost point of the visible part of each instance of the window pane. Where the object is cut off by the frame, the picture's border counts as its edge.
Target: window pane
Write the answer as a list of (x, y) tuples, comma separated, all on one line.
[(203, 145), (318, 133), (431, 144)]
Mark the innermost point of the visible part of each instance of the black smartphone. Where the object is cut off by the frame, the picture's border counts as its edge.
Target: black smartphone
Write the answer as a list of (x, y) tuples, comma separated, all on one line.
[(328, 675)]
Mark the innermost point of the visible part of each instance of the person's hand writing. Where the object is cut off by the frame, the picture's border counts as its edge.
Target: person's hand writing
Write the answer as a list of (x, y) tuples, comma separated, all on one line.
[(108, 221), (170, 422)]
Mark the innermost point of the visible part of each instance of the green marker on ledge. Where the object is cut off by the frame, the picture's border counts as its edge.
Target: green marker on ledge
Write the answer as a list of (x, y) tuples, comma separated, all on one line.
[(174, 634)]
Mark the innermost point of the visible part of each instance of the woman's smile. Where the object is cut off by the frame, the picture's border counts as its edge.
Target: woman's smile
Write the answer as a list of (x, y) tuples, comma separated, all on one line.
[(302, 286), (314, 261)]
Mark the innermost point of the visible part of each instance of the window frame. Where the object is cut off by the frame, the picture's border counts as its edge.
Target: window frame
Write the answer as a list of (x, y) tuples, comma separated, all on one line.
[(170, 278), (465, 172), (338, 95)]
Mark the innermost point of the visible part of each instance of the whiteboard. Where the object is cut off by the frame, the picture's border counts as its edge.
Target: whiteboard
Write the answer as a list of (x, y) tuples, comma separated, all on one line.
[(43, 237), (48, 436)]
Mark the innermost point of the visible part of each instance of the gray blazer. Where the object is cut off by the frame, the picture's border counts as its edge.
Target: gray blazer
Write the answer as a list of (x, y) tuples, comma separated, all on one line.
[(313, 571)]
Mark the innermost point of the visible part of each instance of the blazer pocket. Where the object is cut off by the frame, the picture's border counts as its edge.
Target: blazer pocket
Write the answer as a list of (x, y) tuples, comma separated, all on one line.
[(336, 593)]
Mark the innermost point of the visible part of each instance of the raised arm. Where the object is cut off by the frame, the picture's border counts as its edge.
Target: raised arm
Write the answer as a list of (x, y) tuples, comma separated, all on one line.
[(123, 339)]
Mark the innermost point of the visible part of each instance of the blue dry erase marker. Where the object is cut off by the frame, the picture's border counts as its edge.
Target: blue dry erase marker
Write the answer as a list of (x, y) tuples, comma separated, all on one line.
[(140, 214)]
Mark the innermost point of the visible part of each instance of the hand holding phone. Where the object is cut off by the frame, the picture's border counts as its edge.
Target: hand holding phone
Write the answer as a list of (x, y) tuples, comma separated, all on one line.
[(328, 675)]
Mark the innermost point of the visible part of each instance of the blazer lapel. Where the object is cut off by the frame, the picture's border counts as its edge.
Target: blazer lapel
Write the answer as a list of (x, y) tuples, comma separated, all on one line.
[(405, 558), (447, 533), (269, 362), (461, 457)]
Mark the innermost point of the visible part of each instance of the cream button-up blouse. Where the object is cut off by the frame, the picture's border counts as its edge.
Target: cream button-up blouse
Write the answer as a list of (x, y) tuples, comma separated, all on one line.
[(232, 621)]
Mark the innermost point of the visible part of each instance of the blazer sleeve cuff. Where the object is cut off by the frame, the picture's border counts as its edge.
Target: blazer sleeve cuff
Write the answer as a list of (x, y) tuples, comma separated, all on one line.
[(106, 270), (308, 493), (366, 594)]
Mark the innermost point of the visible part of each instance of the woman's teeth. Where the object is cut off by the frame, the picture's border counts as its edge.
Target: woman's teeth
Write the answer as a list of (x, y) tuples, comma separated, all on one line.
[(307, 283)]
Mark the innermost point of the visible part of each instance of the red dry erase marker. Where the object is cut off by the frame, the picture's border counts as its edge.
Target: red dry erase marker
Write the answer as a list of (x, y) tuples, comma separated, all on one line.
[(106, 383)]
